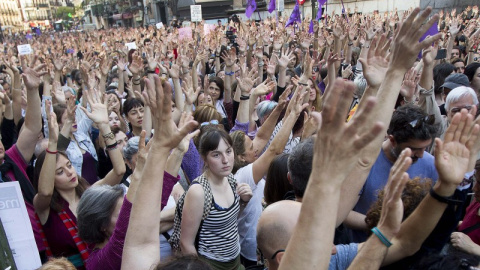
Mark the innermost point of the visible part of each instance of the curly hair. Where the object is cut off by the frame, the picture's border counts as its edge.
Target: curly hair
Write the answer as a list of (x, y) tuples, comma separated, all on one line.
[(415, 190)]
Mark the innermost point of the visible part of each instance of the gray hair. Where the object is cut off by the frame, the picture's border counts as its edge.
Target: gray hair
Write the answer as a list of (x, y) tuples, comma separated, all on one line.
[(300, 165), (265, 107), (458, 93), (131, 148), (360, 85), (94, 211)]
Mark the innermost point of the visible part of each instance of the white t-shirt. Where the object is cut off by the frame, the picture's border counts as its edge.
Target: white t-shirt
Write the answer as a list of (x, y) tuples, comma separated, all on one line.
[(248, 218)]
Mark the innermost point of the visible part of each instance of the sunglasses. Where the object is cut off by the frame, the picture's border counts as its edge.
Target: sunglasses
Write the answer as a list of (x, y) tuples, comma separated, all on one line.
[(213, 122), (429, 119), (455, 110)]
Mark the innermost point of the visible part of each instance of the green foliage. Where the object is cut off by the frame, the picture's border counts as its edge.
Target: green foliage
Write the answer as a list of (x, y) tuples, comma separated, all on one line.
[(62, 12)]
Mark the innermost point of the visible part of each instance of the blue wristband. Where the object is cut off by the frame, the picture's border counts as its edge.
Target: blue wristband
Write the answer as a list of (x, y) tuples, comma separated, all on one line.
[(230, 73), (382, 237)]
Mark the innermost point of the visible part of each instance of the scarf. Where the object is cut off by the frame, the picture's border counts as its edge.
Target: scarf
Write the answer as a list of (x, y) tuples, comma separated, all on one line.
[(25, 184)]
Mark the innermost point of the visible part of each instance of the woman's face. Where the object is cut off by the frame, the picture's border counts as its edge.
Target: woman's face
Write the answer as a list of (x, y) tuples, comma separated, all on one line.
[(291, 63), (204, 99), (475, 83), (113, 120), (250, 154), (65, 175), (312, 94), (214, 91), (135, 117), (121, 139), (220, 161)]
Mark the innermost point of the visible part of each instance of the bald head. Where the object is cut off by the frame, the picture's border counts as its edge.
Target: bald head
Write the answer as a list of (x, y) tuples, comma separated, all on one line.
[(275, 227)]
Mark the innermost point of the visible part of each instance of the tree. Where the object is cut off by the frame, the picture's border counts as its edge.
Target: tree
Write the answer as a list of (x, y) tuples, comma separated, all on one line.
[(62, 13)]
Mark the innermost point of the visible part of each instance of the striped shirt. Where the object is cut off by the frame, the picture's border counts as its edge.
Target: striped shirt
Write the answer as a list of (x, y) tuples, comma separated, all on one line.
[(218, 234)]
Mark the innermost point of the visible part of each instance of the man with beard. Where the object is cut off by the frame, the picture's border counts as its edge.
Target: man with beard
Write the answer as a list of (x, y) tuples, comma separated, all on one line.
[(410, 127)]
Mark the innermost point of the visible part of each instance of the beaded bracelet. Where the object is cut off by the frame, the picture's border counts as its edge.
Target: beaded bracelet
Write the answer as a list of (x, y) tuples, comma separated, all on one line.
[(112, 146), (51, 152), (382, 237)]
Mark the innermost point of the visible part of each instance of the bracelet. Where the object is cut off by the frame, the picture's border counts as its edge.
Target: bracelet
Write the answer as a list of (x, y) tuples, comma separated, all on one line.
[(164, 73), (112, 146), (366, 46), (260, 64), (447, 200), (136, 83), (242, 203), (244, 97), (382, 237), (304, 84), (109, 135), (230, 73), (51, 152), (150, 72), (408, 102), (350, 44)]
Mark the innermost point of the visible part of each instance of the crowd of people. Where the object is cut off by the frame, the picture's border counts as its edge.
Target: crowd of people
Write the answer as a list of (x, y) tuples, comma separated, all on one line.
[(324, 144)]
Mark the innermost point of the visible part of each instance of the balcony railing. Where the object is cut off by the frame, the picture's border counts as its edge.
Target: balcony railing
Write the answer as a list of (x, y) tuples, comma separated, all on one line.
[(43, 5)]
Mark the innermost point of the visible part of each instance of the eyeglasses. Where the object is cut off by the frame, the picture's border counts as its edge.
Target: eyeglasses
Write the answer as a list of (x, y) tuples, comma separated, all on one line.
[(455, 110), (262, 258), (276, 253), (213, 122), (429, 119)]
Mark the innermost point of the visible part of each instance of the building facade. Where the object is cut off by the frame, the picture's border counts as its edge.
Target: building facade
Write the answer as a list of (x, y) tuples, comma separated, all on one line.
[(10, 15)]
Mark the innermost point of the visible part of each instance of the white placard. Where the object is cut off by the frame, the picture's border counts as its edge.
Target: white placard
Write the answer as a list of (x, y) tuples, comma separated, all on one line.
[(131, 46), (196, 13), (159, 25), (281, 5), (18, 227), (24, 49)]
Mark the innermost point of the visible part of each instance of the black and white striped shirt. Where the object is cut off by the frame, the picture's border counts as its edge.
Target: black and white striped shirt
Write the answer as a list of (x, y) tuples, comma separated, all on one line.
[(218, 236)]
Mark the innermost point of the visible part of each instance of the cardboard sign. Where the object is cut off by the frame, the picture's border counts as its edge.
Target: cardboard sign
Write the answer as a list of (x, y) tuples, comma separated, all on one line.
[(24, 49), (18, 228), (159, 25), (131, 46), (196, 13)]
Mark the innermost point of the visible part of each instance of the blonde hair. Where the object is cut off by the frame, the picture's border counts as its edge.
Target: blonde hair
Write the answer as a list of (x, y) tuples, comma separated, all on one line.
[(58, 264)]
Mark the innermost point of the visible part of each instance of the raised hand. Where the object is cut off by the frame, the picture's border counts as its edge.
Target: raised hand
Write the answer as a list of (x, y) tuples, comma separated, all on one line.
[(174, 71), (264, 88), (191, 95), (247, 79), (285, 58), (52, 122), (405, 43), (409, 84), (159, 97), (429, 54), (136, 67), (392, 205), (453, 154), (376, 64), (337, 136), (32, 75), (99, 112)]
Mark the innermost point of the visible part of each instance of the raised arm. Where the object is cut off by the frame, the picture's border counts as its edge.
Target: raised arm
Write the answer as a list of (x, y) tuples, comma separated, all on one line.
[(144, 220), (374, 250), (33, 122), (451, 161), (46, 181), (261, 165), (99, 115), (405, 49), (337, 148)]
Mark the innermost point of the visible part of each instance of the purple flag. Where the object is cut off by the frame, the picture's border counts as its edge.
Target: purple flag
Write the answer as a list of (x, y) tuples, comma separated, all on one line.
[(295, 16), (271, 6), (28, 36), (38, 32), (430, 32), (319, 12), (310, 29), (251, 7)]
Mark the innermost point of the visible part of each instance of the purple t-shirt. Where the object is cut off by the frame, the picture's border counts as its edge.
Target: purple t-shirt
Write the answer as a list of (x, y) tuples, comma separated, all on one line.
[(110, 256), (17, 157)]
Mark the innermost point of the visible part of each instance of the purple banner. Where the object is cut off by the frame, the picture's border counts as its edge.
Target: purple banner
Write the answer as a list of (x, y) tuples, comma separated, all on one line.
[(251, 7)]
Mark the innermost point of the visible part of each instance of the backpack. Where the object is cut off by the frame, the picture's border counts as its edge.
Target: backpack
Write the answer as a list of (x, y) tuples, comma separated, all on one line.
[(208, 199)]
